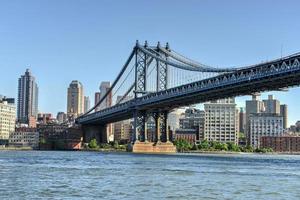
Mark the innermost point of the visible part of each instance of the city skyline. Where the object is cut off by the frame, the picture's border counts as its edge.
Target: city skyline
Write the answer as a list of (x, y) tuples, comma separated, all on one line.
[(102, 47)]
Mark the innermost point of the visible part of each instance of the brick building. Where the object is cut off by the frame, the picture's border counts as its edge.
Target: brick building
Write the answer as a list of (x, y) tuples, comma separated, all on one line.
[(281, 143)]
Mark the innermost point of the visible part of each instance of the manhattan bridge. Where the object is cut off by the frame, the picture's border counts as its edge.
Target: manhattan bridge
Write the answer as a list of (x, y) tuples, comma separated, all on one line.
[(156, 80)]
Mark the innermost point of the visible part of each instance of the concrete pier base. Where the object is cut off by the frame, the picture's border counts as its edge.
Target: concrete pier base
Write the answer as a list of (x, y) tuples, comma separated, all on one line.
[(150, 147)]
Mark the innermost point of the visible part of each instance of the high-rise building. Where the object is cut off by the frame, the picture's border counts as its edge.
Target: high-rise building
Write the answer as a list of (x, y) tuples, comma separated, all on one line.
[(221, 121), (284, 114), (104, 87), (264, 124), (264, 118), (75, 102), (7, 119), (272, 105), (97, 99), (27, 98), (242, 120), (87, 103), (253, 106)]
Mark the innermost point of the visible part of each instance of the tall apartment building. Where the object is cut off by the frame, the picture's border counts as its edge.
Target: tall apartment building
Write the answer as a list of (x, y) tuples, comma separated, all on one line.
[(264, 118), (27, 98), (87, 103), (284, 114), (264, 124), (221, 121), (7, 118), (104, 87), (242, 120), (253, 106), (75, 100), (271, 105)]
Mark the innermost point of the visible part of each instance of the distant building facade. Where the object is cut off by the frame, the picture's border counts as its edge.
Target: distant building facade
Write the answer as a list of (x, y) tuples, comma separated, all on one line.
[(44, 118), (59, 137), (61, 117), (285, 143), (75, 100), (193, 119), (221, 121), (27, 98), (264, 124), (242, 120), (122, 131), (264, 118), (87, 103), (190, 135), (7, 119), (284, 114), (24, 137), (104, 88)]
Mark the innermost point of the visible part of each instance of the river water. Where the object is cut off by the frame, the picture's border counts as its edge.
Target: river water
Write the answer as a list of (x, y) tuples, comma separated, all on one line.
[(94, 175)]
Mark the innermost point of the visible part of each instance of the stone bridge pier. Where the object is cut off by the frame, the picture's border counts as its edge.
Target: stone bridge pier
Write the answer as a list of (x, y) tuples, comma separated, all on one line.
[(140, 140)]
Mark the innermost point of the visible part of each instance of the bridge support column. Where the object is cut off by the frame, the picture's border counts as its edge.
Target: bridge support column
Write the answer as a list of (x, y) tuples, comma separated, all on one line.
[(140, 127), (157, 119), (97, 132), (162, 144), (167, 134)]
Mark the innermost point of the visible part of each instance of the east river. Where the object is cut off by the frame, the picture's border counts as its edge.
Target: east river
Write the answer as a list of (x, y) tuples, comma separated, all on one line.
[(94, 175)]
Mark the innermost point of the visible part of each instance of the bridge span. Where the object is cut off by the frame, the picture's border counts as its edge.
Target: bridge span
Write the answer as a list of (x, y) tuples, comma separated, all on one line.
[(162, 80)]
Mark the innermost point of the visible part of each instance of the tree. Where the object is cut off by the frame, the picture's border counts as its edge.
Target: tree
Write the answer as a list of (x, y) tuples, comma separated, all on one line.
[(204, 145), (93, 144), (232, 146), (182, 145)]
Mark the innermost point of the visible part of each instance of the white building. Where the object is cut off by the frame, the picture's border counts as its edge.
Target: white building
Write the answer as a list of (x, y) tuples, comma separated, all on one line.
[(7, 119), (24, 137), (221, 121), (173, 118), (264, 124)]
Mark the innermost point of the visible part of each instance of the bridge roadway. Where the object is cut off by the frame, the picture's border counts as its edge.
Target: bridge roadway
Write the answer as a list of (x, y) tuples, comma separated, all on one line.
[(273, 75)]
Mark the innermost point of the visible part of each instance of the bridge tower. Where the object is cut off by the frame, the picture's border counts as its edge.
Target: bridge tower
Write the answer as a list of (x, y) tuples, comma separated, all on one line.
[(139, 138)]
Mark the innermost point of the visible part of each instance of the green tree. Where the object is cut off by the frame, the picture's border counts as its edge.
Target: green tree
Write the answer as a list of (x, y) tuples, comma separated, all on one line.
[(93, 144), (233, 147), (204, 145), (182, 145)]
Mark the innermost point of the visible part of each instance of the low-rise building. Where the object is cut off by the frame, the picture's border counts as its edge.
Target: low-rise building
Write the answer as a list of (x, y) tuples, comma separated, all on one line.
[(189, 135), (59, 137), (24, 137), (193, 119), (286, 143)]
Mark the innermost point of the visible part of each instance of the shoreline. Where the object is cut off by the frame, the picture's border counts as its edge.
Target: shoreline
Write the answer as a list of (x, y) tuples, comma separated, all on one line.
[(179, 153)]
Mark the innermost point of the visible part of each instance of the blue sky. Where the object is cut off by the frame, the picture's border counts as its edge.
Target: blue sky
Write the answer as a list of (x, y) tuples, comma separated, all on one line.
[(63, 40)]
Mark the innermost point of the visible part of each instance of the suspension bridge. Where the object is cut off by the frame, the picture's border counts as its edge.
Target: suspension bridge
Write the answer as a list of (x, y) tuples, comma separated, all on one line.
[(156, 79)]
